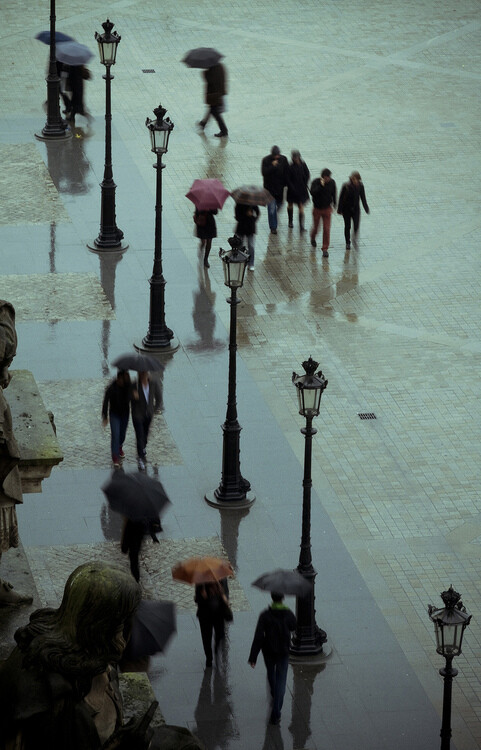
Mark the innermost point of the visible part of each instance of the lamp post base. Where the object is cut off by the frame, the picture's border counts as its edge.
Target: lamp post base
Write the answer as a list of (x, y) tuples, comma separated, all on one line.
[(216, 500), (318, 657), (54, 133), (169, 348), (120, 247)]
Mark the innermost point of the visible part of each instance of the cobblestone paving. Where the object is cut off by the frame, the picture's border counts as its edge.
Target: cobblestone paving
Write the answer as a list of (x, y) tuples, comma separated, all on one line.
[(55, 297), (83, 440), (27, 192), (51, 567)]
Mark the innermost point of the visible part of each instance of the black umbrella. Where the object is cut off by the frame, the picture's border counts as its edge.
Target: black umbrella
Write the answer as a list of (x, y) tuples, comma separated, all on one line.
[(138, 362), (202, 57), (289, 582), (136, 495), (44, 36), (153, 625)]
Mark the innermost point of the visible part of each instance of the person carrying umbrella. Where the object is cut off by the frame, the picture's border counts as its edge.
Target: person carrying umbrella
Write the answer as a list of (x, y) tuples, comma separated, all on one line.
[(133, 535), (272, 636), (246, 217), (146, 399), (116, 408), (215, 89)]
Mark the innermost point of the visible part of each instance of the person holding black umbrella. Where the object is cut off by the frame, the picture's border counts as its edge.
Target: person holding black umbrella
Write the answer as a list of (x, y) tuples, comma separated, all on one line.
[(132, 537), (272, 636), (215, 90)]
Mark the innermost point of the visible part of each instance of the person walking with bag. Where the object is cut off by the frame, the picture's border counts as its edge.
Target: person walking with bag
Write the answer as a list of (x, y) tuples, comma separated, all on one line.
[(297, 190), (206, 230), (352, 193), (246, 227), (272, 636), (213, 611)]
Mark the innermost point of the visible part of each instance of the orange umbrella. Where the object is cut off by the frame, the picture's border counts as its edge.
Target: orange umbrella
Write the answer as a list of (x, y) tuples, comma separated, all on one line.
[(202, 570)]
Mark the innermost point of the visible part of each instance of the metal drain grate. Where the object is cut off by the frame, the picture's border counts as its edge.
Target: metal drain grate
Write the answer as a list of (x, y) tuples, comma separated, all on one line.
[(148, 70), (366, 415)]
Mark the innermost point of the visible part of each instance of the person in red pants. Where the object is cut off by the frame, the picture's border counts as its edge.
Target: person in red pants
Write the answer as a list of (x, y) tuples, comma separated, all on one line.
[(324, 199)]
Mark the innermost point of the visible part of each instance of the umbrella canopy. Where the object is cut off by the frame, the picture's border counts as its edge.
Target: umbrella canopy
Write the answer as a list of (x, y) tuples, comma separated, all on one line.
[(251, 195), (202, 570), (153, 625), (202, 57), (207, 194), (44, 36), (136, 495), (289, 582), (73, 53), (138, 362)]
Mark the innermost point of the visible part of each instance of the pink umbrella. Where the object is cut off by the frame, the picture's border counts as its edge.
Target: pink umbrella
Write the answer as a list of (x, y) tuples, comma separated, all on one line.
[(208, 194)]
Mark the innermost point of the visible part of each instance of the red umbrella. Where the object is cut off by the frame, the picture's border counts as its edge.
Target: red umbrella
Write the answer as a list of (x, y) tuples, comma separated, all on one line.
[(208, 194)]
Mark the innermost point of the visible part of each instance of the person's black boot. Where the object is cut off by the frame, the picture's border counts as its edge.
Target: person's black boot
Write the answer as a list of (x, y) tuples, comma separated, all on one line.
[(290, 216)]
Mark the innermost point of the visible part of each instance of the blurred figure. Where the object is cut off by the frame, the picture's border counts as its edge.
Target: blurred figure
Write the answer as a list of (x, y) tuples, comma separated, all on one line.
[(297, 190), (212, 611), (274, 169), (215, 91), (77, 74), (351, 193), (246, 227), (206, 230), (116, 408), (323, 191), (273, 637), (132, 538), (146, 399)]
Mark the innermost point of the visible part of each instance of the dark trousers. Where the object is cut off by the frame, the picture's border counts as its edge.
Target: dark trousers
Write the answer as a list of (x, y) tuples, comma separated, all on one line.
[(118, 428), (355, 218), (131, 543), (215, 110), (141, 427), (207, 625), (277, 678)]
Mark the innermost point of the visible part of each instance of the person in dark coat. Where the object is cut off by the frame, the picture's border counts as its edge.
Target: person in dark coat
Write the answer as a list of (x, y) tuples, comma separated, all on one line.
[(274, 169), (132, 538), (206, 230), (323, 191), (273, 637), (77, 74), (212, 606), (146, 399), (246, 217), (297, 190), (116, 408), (351, 193), (215, 90)]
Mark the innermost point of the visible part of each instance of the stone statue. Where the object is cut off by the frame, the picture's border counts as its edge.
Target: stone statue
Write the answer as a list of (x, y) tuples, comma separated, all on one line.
[(10, 483), (59, 686)]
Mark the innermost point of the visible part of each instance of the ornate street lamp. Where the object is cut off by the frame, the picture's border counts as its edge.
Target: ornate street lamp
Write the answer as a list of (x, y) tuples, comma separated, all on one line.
[(233, 490), (159, 337), (450, 623), (308, 638), (56, 128), (110, 236)]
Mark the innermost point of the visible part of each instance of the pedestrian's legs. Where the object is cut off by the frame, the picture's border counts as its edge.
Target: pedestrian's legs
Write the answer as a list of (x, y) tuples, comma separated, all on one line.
[(290, 214), (147, 422), (280, 679), (140, 437), (208, 245), (347, 229), (115, 426), (271, 675), (316, 217), (326, 214), (134, 551), (301, 218), (272, 215), (124, 420), (202, 123), (219, 632), (251, 241), (356, 219), (216, 113), (206, 633)]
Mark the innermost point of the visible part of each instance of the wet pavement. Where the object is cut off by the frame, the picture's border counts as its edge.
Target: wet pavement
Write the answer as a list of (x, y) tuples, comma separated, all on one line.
[(388, 89)]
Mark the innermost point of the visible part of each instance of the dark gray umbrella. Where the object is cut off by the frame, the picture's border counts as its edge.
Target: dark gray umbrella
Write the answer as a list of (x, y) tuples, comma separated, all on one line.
[(138, 362), (136, 495), (153, 625), (44, 36), (252, 195), (289, 582), (202, 57)]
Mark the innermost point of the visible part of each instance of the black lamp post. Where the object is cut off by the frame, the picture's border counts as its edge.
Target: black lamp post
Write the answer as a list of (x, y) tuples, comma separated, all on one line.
[(159, 337), (110, 236), (450, 623), (56, 127), (308, 638), (233, 490)]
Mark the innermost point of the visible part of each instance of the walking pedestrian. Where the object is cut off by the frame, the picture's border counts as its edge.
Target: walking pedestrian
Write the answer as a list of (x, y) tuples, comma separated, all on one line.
[(351, 193), (116, 409), (77, 74), (297, 190), (272, 636), (246, 217), (213, 611), (215, 91), (323, 191), (274, 169), (146, 399), (206, 230), (132, 537)]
